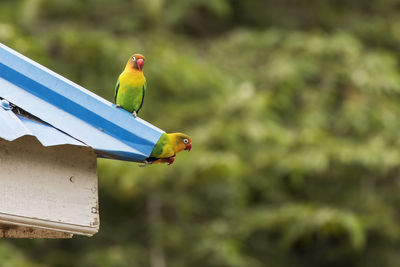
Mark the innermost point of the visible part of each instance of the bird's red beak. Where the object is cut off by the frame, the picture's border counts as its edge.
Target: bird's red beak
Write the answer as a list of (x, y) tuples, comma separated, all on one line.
[(139, 63), (188, 147)]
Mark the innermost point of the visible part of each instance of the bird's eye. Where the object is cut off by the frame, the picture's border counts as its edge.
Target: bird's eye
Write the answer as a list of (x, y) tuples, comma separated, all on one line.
[(185, 141), (133, 58)]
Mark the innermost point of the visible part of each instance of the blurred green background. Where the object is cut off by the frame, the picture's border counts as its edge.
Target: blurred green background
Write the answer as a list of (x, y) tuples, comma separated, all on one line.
[(293, 108)]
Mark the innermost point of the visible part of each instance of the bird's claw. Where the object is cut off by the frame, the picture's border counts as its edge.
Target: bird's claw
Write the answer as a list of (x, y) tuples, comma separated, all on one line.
[(145, 163), (171, 160), (134, 114)]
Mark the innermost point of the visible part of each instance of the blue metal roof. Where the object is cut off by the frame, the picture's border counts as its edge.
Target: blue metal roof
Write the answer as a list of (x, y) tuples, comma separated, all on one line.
[(72, 114), (14, 126)]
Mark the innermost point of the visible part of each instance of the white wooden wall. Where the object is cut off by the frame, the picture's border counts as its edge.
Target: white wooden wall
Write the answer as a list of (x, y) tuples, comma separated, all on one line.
[(47, 191)]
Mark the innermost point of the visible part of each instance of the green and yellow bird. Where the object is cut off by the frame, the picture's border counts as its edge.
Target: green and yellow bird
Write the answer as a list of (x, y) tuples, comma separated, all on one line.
[(167, 147), (130, 89)]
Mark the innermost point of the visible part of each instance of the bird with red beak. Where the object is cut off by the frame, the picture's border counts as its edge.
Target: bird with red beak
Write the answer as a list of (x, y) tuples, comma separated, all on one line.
[(131, 86), (167, 147)]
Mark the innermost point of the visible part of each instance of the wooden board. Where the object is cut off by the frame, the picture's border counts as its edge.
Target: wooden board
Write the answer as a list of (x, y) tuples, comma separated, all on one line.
[(13, 231), (48, 188)]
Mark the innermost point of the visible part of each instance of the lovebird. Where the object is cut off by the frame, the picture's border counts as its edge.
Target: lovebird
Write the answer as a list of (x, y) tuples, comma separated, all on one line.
[(131, 85), (167, 147)]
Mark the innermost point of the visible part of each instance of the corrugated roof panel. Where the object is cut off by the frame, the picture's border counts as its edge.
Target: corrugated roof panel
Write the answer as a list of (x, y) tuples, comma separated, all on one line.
[(48, 135), (14, 126), (73, 109), (11, 127)]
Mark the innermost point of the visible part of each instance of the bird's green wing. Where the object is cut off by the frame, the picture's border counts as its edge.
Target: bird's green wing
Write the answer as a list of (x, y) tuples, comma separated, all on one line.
[(116, 91), (159, 147), (144, 93)]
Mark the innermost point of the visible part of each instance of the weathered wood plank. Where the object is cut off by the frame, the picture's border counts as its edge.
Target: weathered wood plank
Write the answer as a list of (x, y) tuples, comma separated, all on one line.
[(12, 231)]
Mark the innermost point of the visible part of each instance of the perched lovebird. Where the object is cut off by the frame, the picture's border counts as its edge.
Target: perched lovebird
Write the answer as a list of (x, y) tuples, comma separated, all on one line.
[(167, 146), (131, 85)]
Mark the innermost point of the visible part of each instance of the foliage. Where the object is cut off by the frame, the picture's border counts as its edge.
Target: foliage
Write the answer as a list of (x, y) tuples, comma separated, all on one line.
[(292, 109)]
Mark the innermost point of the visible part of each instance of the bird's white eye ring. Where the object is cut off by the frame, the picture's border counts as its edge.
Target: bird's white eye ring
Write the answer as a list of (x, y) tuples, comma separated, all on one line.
[(133, 58), (185, 141)]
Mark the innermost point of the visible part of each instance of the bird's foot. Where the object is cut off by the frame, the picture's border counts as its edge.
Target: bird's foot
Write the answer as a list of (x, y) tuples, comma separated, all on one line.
[(134, 114), (145, 163), (171, 160), (118, 106)]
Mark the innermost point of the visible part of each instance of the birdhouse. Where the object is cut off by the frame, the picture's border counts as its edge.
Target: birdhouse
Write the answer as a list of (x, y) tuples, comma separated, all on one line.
[(51, 133)]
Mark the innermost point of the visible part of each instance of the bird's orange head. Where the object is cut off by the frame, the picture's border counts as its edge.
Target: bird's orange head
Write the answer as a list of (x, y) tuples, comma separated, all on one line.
[(183, 141), (136, 61)]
